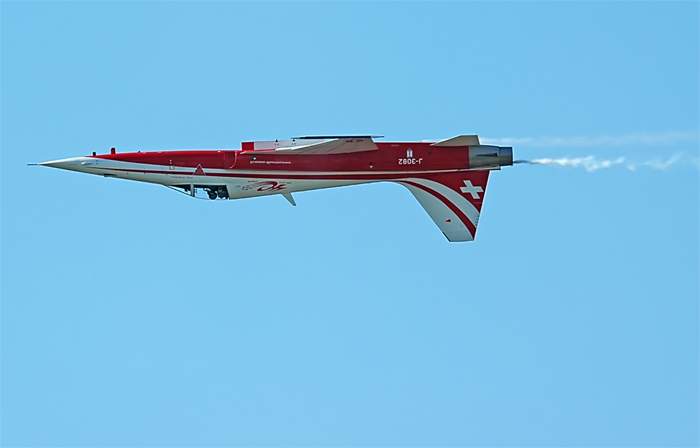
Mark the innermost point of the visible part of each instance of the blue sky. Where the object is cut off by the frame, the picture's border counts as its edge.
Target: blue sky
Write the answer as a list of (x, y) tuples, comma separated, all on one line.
[(134, 316)]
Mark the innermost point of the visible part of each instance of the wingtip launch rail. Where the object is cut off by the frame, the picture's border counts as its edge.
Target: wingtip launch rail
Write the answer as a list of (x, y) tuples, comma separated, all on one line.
[(448, 177)]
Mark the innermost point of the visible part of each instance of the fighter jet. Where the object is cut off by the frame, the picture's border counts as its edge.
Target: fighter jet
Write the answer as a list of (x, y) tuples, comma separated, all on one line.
[(448, 177)]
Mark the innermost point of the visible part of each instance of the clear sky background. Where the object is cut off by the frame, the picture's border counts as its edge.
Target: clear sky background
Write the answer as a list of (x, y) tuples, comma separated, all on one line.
[(135, 316)]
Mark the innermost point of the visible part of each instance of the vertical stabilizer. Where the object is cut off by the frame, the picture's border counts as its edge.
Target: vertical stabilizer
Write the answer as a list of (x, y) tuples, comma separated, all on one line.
[(453, 200)]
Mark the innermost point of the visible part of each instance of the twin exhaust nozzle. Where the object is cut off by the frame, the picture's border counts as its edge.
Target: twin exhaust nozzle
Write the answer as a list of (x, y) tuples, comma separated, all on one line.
[(490, 157)]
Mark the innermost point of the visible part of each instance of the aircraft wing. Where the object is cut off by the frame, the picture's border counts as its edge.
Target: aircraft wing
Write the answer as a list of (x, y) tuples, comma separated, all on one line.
[(336, 146), (453, 200)]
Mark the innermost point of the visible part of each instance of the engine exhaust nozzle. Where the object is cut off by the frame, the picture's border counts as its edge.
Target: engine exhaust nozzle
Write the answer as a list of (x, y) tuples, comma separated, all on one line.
[(490, 157)]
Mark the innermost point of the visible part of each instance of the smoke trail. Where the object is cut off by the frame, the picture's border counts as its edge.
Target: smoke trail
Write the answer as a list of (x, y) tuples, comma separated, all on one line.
[(646, 139), (591, 163), (659, 164)]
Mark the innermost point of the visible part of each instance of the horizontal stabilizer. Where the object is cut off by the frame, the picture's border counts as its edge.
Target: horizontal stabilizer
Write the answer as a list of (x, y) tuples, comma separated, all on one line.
[(461, 140)]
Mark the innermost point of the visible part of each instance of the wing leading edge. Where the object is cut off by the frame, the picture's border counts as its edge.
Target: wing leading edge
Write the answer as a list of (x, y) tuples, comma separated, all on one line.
[(452, 200), (337, 146)]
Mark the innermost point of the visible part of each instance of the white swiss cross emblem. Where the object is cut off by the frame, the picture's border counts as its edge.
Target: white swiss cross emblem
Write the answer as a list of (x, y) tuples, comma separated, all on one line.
[(471, 189)]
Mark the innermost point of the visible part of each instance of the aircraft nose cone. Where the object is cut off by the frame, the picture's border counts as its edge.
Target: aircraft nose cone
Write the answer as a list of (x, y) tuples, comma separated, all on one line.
[(73, 164), (53, 164)]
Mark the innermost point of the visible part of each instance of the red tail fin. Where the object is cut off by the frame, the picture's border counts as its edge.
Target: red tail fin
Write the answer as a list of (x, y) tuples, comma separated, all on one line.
[(453, 200)]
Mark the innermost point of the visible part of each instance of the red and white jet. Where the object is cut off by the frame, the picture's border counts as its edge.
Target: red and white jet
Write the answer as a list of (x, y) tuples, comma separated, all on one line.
[(448, 178)]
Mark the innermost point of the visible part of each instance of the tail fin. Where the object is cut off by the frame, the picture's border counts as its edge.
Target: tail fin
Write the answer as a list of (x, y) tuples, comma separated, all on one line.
[(453, 200)]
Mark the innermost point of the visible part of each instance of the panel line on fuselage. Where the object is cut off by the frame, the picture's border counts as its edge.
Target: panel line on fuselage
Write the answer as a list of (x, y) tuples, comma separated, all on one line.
[(189, 171)]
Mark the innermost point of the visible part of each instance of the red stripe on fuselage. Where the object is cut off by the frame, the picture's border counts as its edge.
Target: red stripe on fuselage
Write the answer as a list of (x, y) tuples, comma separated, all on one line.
[(389, 157), (283, 175)]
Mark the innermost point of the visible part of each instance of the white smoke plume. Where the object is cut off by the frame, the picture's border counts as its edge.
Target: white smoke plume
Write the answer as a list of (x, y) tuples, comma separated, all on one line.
[(591, 163), (665, 138)]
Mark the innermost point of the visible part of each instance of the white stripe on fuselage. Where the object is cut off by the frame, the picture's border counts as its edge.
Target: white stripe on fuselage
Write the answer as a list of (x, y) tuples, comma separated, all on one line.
[(238, 179), (100, 166), (179, 170)]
